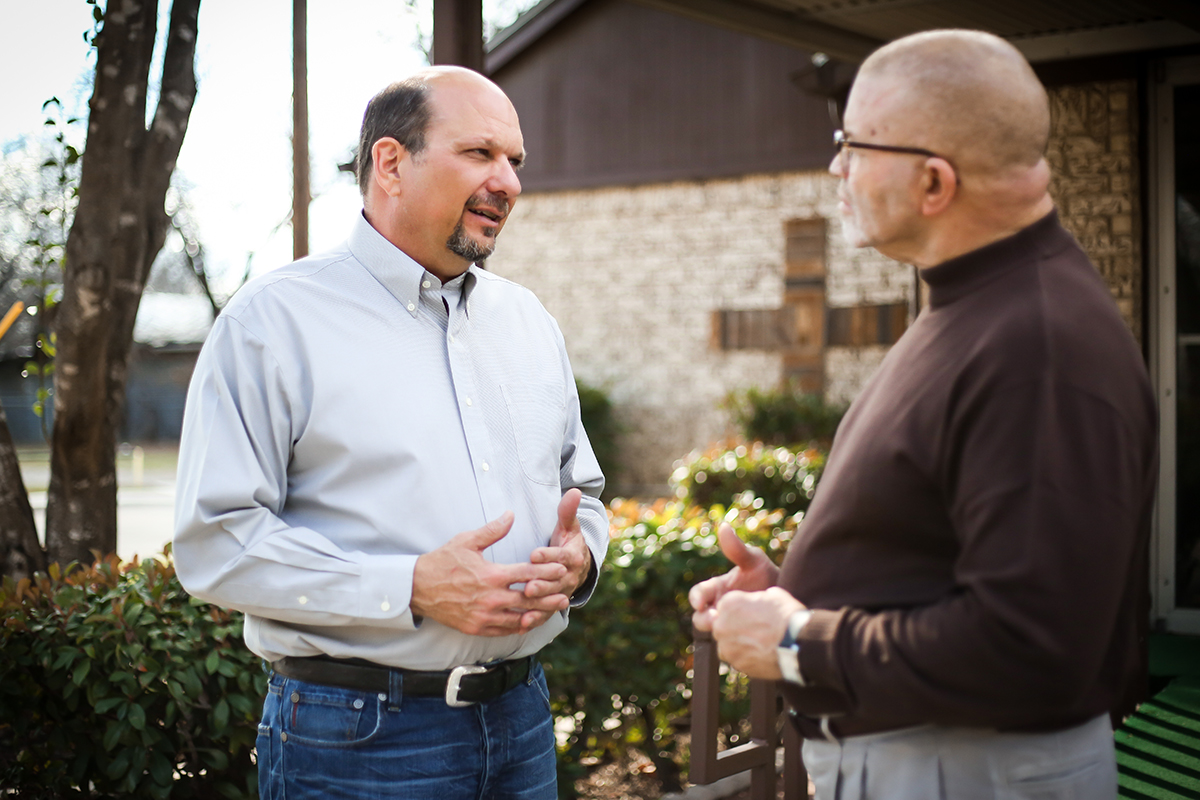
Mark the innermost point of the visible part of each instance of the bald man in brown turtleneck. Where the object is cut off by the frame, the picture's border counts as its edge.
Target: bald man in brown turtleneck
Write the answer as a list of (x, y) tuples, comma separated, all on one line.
[(956, 617)]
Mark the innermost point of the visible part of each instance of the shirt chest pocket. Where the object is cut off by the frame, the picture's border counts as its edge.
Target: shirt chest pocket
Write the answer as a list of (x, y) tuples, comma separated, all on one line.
[(538, 415)]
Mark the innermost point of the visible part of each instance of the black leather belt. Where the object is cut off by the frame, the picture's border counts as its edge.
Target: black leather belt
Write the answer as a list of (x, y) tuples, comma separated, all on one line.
[(461, 686)]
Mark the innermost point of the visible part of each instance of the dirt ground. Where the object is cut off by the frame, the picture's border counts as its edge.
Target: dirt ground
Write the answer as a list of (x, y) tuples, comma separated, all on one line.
[(634, 779)]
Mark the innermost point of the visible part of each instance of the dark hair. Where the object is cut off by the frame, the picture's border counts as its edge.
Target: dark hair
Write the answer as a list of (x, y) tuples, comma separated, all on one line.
[(401, 111)]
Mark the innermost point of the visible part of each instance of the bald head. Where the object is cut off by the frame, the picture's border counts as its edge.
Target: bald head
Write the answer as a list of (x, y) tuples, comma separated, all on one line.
[(967, 94), (404, 110)]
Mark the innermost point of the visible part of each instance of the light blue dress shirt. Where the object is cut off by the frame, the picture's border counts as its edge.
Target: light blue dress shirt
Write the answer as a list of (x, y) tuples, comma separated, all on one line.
[(348, 413)]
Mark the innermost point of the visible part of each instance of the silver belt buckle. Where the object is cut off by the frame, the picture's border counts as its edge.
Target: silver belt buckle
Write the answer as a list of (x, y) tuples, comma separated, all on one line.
[(455, 680)]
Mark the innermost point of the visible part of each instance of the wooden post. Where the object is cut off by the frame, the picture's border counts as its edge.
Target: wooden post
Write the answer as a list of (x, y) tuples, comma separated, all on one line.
[(458, 33), (758, 755), (300, 184)]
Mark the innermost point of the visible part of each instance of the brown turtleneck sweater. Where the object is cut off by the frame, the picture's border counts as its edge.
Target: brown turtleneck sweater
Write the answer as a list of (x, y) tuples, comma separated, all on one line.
[(977, 544)]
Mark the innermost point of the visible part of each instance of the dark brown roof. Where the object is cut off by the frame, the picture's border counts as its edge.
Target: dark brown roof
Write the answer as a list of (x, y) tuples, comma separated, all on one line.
[(849, 29)]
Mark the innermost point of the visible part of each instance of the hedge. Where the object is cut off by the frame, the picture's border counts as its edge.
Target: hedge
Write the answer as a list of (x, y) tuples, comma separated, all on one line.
[(784, 416), (620, 675), (603, 430), (112, 677), (753, 473)]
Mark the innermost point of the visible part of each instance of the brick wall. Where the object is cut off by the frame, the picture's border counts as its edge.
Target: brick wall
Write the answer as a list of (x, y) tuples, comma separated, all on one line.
[(634, 274), (1094, 163)]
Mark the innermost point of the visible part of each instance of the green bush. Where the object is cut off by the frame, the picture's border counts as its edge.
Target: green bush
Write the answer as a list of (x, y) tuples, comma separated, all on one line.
[(113, 678), (596, 412), (784, 416), (771, 477), (619, 675)]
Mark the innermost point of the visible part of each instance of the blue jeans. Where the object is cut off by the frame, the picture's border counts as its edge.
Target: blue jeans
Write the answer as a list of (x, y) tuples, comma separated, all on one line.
[(318, 741)]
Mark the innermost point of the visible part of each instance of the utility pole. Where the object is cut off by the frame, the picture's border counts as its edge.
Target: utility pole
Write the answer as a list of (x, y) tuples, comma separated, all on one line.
[(458, 33), (300, 184)]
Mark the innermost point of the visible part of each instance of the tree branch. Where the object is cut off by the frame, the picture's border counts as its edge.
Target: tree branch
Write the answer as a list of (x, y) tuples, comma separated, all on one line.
[(176, 96), (21, 553)]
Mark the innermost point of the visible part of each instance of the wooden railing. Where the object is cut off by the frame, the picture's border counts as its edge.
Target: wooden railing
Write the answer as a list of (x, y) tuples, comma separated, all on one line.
[(758, 755)]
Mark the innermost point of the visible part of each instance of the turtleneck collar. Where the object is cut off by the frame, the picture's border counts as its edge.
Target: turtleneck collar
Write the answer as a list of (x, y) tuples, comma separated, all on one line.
[(960, 276)]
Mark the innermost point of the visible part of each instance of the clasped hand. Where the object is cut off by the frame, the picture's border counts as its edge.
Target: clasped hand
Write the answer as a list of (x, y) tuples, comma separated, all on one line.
[(744, 609), (458, 587)]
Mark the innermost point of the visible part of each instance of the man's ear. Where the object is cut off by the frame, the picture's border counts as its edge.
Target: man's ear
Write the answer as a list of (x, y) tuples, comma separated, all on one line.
[(939, 187), (388, 159)]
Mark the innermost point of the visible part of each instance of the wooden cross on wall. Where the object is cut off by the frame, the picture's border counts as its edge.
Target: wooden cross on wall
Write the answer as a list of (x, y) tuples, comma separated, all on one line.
[(805, 325)]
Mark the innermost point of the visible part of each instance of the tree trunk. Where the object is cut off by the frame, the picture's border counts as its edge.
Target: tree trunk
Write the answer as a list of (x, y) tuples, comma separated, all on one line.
[(120, 224), (21, 552)]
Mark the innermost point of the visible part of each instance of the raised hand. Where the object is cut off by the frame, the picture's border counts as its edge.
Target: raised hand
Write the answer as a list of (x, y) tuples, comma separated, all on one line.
[(456, 586), (748, 627), (753, 571), (568, 548)]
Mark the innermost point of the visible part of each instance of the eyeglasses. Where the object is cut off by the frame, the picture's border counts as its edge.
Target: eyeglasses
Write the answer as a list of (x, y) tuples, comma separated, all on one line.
[(842, 143)]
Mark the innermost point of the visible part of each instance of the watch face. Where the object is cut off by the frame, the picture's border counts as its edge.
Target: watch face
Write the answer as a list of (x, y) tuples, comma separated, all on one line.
[(789, 664)]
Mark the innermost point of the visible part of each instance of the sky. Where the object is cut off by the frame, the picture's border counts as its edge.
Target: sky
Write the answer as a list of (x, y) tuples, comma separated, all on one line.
[(236, 162)]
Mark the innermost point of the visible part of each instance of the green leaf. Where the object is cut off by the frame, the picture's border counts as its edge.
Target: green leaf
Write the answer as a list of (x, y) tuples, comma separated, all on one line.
[(81, 672), (118, 766), (137, 717), (133, 612), (66, 656), (127, 680), (161, 770), (108, 704), (212, 662), (112, 735), (191, 682), (216, 759), (221, 714), (241, 704)]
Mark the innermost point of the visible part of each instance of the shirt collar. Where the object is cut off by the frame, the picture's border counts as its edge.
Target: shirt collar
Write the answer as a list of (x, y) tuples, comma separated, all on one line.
[(967, 273), (392, 267)]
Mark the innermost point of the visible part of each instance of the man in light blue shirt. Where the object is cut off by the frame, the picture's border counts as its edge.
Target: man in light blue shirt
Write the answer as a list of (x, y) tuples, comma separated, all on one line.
[(383, 466)]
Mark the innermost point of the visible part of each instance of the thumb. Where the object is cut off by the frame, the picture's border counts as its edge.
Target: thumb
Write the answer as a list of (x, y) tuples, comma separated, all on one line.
[(734, 548), (482, 538), (568, 507)]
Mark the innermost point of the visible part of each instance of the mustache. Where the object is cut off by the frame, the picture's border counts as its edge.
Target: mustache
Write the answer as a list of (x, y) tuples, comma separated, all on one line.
[(488, 200)]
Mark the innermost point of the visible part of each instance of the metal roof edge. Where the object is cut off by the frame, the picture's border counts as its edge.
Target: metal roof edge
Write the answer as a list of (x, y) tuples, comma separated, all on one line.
[(527, 29), (1110, 40)]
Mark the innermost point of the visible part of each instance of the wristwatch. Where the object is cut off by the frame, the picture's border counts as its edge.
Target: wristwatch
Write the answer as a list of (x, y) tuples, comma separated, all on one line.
[(789, 649)]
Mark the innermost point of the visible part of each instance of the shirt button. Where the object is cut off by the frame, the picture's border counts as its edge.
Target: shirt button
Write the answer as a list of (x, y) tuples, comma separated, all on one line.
[(358, 703), (451, 338), (301, 599), (425, 284), (283, 737), (382, 697), (468, 401), (385, 605), (485, 466), (411, 307)]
